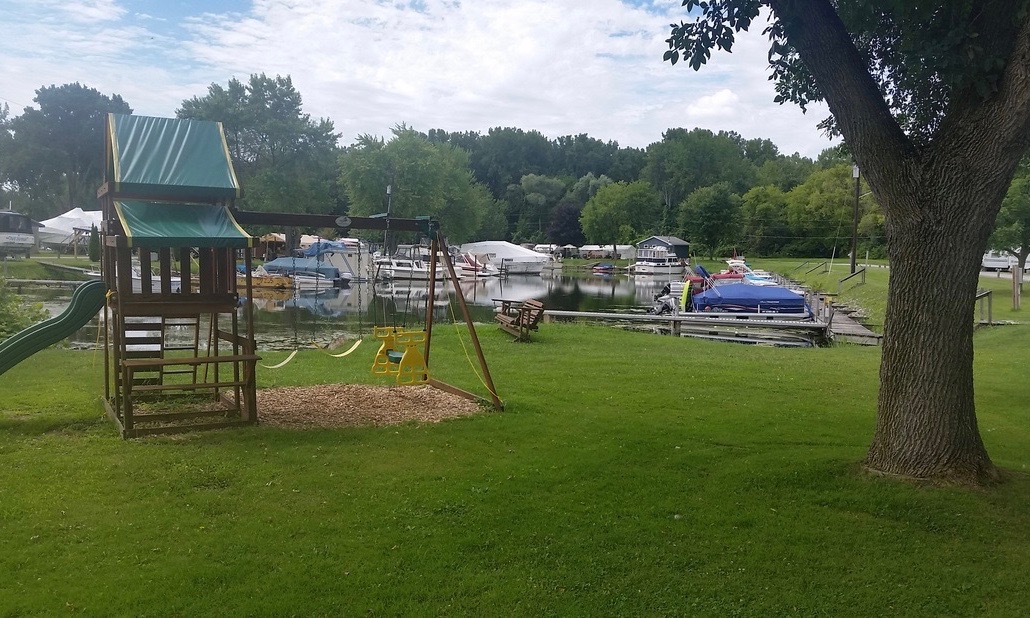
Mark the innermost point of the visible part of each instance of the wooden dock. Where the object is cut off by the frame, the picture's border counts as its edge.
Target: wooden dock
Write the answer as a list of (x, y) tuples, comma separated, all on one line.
[(18, 284), (770, 329), (845, 328)]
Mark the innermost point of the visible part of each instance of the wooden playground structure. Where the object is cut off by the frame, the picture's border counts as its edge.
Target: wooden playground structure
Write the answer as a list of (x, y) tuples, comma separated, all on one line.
[(180, 352)]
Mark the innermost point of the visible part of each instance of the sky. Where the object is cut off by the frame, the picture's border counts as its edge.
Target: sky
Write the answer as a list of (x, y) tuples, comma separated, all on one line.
[(561, 67)]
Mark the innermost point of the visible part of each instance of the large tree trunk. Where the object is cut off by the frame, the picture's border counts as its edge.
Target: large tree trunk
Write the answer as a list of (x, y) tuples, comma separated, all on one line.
[(926, 426)]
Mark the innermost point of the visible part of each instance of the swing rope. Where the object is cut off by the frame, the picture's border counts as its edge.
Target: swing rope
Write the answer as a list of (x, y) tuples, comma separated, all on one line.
[(468, 357), (283, 363), (296, 335)]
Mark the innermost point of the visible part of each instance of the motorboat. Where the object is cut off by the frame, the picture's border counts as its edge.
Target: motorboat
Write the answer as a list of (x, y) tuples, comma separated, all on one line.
[(406, 268), (307, 272), (471, 267), (747, 298), (657, 261), (261, 279), (155, 282), (509, 258)]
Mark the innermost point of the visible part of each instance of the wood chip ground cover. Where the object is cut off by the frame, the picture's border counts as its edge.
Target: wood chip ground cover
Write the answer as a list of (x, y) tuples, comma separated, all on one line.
[(348, 405)]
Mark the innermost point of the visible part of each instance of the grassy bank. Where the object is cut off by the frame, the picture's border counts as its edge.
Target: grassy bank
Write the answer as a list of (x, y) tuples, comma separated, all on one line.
[(871, 295), (630, 474)]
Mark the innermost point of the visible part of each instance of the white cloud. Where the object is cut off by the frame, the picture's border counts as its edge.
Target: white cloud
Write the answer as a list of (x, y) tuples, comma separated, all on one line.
[(721, 104), (577, 66)]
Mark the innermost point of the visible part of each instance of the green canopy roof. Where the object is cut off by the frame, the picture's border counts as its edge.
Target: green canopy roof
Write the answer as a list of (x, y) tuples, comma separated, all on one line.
[(156, 225), (168, 158)]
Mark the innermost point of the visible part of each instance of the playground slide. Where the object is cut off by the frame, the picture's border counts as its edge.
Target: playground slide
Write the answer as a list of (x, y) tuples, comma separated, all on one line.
[(86, 301)]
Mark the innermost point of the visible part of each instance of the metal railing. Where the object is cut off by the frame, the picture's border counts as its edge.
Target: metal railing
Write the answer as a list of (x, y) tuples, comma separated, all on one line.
[(822, 265), (840, 283), (982, 298)]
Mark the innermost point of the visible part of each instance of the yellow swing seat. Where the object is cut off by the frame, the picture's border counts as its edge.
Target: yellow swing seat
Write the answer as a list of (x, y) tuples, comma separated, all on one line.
[(399, 355)]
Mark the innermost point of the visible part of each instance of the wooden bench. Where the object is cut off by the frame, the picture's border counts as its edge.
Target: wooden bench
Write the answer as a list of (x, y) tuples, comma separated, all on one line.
[(520, 318)]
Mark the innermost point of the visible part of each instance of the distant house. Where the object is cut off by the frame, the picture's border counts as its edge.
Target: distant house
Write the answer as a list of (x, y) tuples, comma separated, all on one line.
[(608, 252), (671, 244), (595, 252)]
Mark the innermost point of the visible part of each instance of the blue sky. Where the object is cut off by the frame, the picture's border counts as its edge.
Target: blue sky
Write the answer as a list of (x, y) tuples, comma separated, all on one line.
[(559, 66)]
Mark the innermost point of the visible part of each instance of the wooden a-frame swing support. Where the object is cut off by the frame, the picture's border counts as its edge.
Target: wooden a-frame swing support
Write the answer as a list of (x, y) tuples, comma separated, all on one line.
[(426, 225)]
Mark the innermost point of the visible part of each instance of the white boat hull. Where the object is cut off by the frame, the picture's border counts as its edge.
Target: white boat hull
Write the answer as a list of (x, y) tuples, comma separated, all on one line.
[(155, 284), (513, 267), (643, 268), (408, 270)]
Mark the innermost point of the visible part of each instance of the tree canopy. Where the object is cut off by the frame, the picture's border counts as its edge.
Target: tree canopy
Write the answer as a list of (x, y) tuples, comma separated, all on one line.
[(708, 217), (425, 179), (621, 213), (53, 155), (285, 159)]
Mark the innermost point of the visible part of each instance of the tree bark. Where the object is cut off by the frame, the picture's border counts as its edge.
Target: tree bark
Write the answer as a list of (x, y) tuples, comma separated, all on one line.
[(926, 418), (941, 203)]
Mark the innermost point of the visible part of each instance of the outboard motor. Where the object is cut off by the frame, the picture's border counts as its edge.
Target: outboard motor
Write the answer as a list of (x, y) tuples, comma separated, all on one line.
[(664, 302)]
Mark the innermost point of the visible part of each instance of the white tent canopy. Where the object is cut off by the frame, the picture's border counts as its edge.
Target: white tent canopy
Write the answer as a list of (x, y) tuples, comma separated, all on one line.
[(61, 229), (505, 255), (503, 249)]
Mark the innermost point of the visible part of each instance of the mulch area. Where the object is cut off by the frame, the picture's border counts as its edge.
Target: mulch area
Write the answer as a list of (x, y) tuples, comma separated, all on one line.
[(349, 405)]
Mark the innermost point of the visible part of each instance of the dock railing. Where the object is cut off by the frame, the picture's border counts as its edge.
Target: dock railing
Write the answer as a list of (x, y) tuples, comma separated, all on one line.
[(797, 268), (840, 283), (985, 298), (824, 265)]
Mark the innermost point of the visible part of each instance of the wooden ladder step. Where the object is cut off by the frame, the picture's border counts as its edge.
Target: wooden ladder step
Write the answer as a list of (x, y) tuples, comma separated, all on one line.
[(187, 387)]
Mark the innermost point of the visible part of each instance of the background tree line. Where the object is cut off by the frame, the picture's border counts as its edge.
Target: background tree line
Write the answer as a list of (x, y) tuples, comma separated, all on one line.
[(718, 190)]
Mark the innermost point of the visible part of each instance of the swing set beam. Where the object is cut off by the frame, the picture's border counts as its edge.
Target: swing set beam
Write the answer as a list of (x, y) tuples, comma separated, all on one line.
[(426, 225)]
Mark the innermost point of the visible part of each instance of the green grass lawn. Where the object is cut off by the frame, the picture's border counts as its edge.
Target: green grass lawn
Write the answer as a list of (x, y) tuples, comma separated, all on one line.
[(631, 474), (36, 267)]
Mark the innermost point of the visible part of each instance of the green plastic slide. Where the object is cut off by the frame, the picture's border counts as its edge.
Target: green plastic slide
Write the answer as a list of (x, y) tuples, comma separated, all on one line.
[(86, 301)]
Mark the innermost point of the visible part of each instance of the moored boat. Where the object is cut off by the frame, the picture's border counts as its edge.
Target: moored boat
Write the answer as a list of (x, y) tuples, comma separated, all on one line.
[(657, 261), (408, 269), (509, 258), (747, 298)]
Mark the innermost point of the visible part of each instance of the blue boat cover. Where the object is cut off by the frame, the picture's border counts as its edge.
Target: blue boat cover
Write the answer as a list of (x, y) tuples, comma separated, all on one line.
[(316, 249), (299, 265), (750, 298)]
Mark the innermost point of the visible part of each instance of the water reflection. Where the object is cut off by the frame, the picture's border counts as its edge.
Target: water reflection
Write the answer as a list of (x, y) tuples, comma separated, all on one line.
[(288, 318)]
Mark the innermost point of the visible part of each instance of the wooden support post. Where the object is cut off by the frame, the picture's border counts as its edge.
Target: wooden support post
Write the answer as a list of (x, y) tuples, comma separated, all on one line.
[(165, 260), (146, 275), (487, 379), (185, 269), (1017, 288), (434, 246)]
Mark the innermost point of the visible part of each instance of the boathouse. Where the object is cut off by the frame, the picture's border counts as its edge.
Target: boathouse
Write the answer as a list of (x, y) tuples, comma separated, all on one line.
[(677, 246)]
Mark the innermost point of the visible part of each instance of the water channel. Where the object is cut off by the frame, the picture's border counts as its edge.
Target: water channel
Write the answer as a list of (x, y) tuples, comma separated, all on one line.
[(285, 319)]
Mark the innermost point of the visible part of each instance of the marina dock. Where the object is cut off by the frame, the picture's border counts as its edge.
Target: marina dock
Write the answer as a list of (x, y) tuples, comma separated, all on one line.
[(844, 328), (771, 328), (18, 284)]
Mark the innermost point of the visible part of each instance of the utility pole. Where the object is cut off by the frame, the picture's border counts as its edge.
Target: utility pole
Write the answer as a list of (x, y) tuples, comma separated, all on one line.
[(854, 223), (386, 232)]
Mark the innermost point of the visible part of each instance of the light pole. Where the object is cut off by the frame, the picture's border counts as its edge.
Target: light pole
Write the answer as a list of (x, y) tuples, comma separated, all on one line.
[(854, 223), (386, 232)]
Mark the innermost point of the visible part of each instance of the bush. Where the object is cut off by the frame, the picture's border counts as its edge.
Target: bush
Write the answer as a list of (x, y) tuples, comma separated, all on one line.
[(16, 315)]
